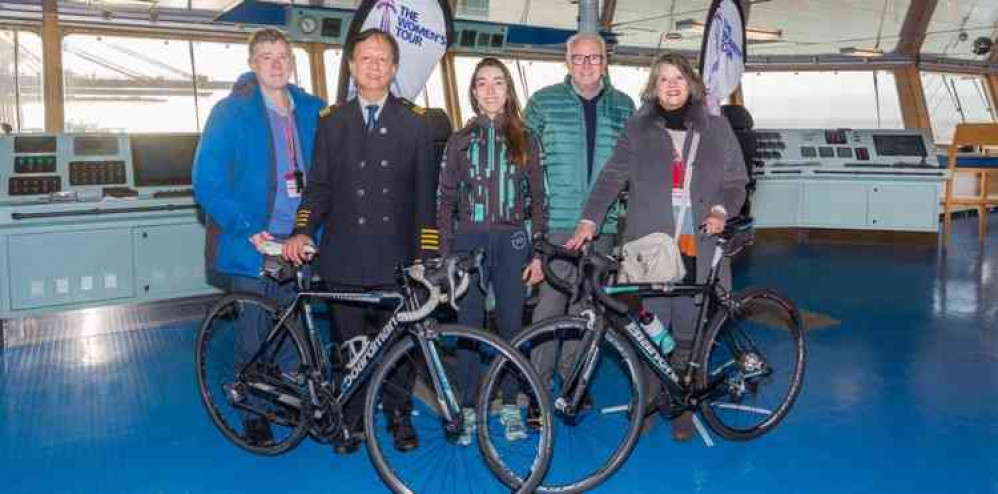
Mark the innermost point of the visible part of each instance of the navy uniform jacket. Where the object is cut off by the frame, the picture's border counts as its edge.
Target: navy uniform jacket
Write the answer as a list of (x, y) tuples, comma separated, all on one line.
[(374, 192)]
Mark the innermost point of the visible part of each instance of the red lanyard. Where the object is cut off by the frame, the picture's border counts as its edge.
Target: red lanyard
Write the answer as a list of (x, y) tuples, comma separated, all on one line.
[(678, 167), (292, 152)]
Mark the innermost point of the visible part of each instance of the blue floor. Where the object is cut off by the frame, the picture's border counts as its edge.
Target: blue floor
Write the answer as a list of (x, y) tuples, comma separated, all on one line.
[(900, 397)]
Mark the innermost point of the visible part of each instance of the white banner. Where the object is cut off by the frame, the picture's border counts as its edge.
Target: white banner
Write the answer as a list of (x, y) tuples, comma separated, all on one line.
[(723, 59), (420, 28)]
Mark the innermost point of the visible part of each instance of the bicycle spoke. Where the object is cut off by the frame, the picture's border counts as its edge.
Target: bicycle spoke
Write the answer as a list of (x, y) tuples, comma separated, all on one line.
[(453, 451)]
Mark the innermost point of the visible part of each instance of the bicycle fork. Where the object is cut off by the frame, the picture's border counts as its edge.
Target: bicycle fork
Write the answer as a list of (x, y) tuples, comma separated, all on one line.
[(577, 383), (444, 392)]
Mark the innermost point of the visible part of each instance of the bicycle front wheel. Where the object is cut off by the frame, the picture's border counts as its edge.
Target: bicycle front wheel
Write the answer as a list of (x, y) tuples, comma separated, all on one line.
[(753, 365), (447, 423), (594, 442), (248, 375)]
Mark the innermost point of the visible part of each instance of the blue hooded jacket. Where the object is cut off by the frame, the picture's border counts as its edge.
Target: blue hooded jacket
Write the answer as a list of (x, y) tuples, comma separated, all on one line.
[(235, 172)]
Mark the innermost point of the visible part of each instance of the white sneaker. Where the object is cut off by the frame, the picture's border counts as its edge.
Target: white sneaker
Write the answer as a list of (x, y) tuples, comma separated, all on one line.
[(510, 418), (470, 427)]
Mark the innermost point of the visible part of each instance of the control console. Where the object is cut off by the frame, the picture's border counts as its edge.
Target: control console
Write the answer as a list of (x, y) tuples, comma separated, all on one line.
[(845, 152)]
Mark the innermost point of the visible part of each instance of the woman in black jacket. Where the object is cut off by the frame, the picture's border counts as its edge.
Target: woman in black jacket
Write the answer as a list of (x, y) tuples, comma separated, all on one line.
[(651, 161), (491, 184)]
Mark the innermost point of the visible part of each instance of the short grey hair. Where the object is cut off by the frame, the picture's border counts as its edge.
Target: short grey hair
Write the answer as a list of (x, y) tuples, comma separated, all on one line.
[(677, 60), (581, 37)]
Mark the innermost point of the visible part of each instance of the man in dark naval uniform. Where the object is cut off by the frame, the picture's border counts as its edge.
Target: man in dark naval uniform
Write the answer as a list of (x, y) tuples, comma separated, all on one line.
[(372, 186)]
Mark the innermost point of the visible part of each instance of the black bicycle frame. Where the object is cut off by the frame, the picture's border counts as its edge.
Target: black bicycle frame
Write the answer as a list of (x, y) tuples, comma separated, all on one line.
[(709, 293), (375, 348)]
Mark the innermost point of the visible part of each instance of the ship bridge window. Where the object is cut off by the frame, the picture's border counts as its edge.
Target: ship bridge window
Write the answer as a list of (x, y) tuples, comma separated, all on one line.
[(860, 100), (953, 99), (21, 102), (110, 79)]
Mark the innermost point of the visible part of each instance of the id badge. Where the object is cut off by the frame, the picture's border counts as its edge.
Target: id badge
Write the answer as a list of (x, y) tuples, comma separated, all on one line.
[(291, 183), (680, 198)]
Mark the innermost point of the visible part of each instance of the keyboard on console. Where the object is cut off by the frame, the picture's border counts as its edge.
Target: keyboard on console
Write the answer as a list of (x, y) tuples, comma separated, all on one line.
[(164, 194)]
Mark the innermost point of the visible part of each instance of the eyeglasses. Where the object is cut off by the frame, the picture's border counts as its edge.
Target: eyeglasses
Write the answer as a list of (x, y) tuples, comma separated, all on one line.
[(587, 59)]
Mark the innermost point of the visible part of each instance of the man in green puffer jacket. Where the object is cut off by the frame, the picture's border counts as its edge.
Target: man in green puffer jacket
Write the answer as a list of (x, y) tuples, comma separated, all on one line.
[(577, 123)]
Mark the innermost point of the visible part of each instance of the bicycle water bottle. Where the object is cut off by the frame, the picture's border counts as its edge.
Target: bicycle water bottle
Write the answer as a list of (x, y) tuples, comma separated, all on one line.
[(656, 331)]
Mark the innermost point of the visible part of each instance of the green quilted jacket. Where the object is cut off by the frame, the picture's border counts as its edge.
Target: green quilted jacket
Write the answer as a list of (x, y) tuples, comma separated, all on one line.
[(555, 114)]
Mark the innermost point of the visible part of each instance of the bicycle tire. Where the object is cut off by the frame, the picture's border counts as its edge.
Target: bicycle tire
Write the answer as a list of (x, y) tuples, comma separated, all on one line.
[(733, 355), (575, 327), (214, 399), (399, 351)]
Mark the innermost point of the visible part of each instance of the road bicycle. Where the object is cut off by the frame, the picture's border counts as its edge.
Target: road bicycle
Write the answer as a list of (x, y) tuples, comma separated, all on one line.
[(296, 386), (744, 374)]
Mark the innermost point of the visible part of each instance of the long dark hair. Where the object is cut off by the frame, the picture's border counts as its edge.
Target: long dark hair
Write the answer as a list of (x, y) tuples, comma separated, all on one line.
[(513, 129)]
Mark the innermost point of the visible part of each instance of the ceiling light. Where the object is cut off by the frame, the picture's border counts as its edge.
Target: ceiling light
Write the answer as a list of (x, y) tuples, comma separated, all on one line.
[(862, 52), (752, 33)]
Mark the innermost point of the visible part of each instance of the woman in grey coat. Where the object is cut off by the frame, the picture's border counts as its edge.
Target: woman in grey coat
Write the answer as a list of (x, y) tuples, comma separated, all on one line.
[(650, 162)]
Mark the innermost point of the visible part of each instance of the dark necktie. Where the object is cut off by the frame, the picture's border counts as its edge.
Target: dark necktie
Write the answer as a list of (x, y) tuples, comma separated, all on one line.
[(372, 117)]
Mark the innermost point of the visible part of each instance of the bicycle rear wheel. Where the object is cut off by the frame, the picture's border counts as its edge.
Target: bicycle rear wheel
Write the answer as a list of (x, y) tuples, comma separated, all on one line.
[(251, 389), (447, 459), (594, 443), (754, 363)]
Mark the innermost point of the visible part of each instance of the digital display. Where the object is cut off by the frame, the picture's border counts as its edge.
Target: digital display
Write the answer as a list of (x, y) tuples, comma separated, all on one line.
[(899, 145), (34, 144), (843, 153), (826, 152), (468, 38), (497, 40), (808, 152), (332, 27), (835, 136), (95, 146), (163, 159)]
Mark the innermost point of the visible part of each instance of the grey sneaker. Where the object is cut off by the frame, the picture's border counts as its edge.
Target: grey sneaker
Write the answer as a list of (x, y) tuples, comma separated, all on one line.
[(470, 427), (509, 417)]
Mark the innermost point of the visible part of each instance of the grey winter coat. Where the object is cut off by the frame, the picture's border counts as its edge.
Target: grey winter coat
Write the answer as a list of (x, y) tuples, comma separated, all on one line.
[(642, 165)]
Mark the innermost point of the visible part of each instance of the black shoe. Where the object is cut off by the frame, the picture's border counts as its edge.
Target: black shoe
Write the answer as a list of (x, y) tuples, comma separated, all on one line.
[(349, 445), (257, 432), (403, 435)]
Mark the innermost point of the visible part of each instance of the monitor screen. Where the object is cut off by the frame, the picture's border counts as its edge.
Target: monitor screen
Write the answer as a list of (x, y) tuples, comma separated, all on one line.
[(34, 144), (899, 145), (163, 159), (95, 145)]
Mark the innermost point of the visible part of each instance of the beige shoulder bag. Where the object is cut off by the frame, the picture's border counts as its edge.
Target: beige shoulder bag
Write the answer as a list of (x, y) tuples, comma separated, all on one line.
[(655, 258)]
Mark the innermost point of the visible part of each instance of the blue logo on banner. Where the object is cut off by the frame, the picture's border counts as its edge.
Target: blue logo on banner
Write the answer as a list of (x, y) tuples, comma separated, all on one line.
[(407, 25), (727, 44)]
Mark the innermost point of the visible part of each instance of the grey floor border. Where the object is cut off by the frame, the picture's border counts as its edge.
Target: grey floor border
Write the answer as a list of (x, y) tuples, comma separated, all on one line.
[(84, 323)]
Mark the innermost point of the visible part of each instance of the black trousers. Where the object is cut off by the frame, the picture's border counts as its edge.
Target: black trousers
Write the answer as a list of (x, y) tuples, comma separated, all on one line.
[(507, 251), (352, 321)]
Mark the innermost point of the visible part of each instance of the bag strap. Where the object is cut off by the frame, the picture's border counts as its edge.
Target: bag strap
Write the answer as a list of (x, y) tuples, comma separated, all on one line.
[(691, 156)]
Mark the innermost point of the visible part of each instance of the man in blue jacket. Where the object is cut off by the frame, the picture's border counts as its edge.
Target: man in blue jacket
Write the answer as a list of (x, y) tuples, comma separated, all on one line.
[(249, 177)]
